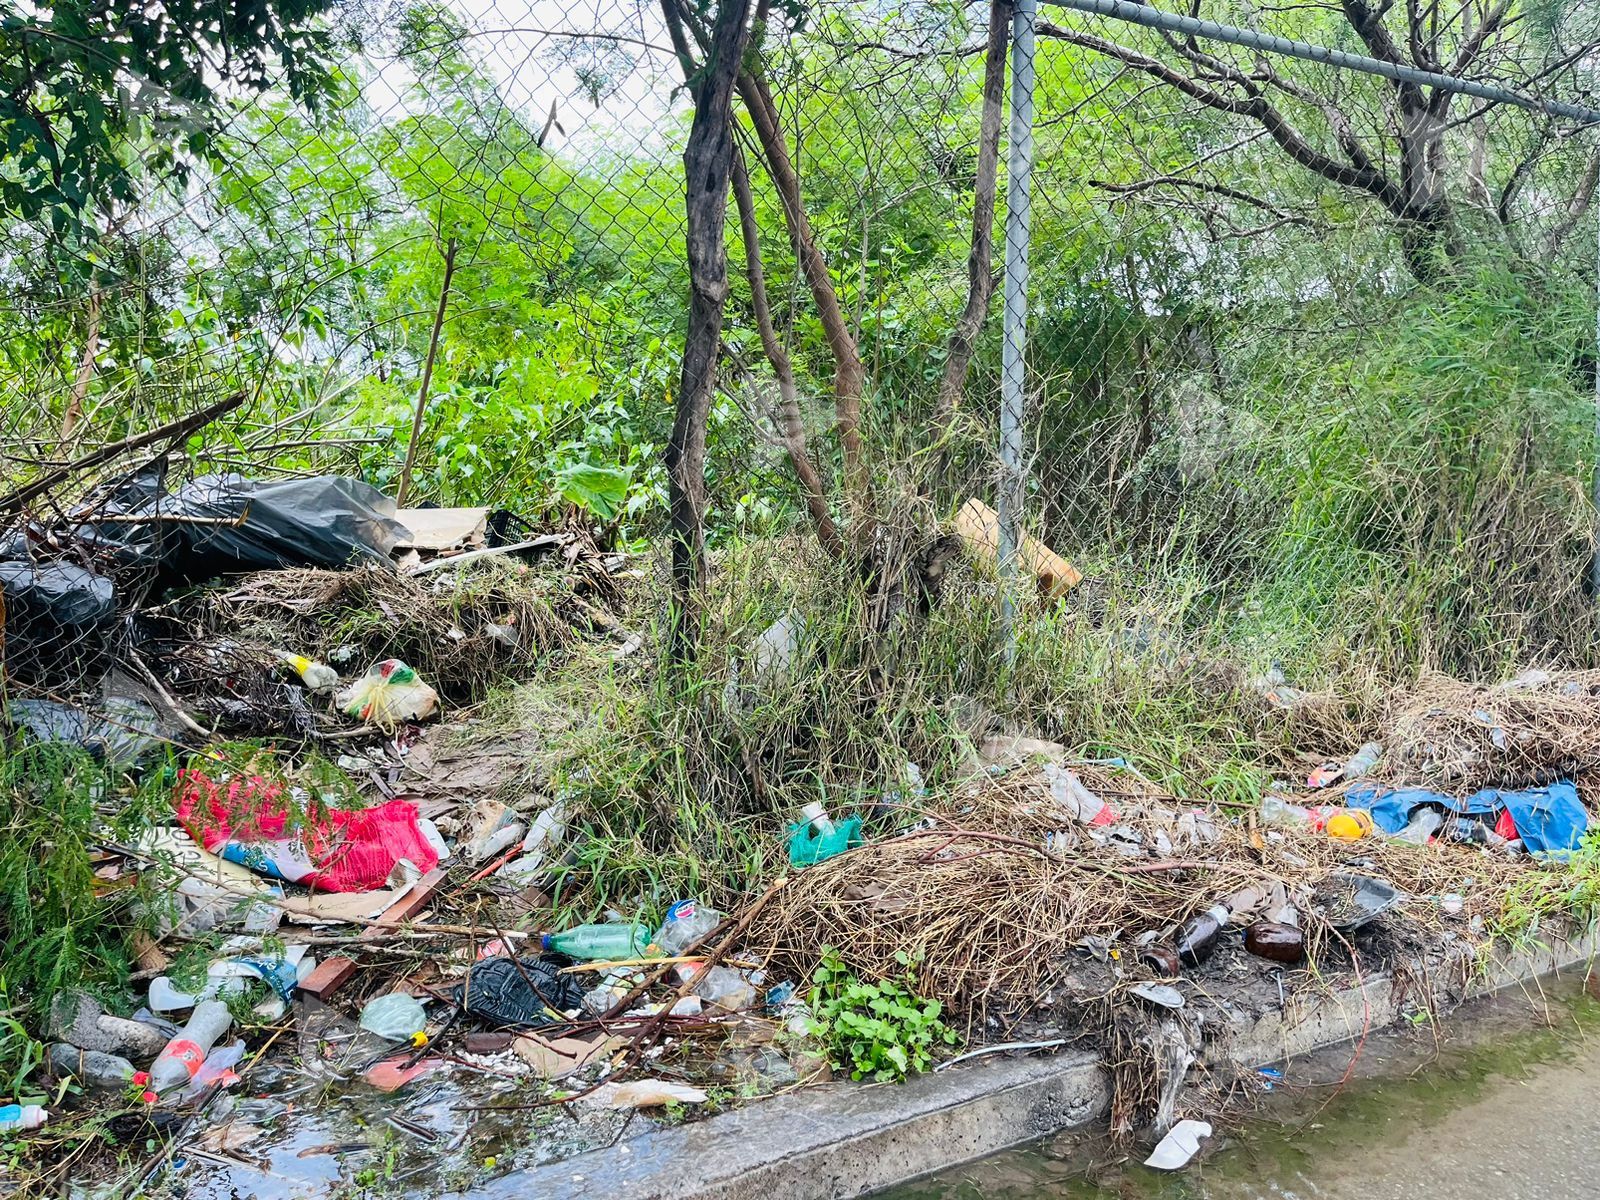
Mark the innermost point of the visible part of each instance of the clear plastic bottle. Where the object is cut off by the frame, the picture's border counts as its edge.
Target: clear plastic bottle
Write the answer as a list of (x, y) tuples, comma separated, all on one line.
[(543, 836), (817, 817), (1422, 826), (1067, 790), (318, 677), (724, 987), (177, 1064), (93, 1067), (615, 984), (686, 923), (1275, 810), (1363, 760), (596, 943)]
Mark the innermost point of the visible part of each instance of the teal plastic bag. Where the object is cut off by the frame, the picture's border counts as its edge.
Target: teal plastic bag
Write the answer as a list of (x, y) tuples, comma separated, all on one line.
[(806, 848)]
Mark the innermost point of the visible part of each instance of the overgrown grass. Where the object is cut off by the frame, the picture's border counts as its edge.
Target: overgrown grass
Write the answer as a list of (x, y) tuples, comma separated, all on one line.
[(1559, 895), (686, 782)]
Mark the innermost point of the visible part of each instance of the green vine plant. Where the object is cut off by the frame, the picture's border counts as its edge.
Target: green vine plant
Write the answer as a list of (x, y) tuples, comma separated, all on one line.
[(884, 1031)]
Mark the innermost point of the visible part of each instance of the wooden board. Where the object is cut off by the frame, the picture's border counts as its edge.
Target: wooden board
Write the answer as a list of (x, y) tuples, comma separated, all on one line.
[(978, 527), (331, 974)]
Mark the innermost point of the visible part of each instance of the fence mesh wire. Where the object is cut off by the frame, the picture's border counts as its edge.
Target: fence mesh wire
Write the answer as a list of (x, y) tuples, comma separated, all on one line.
[(1208, 224)]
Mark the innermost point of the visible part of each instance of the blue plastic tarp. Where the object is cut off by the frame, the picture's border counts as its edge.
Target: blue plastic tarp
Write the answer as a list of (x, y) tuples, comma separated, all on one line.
[(1547, 818)]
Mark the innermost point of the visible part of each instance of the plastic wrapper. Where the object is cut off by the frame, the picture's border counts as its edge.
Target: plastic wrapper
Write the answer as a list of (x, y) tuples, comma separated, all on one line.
[(249, 820), (389, 693)]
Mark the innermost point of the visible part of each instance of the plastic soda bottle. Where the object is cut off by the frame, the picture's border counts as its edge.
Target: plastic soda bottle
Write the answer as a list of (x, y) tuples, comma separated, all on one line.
[(177, 1064), (596, 943), (687, 922), (22, 1116)]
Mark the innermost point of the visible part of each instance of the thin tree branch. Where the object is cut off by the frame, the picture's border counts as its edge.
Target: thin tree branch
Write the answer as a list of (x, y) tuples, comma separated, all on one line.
[(793, 429), (427, 375), (980, 257)]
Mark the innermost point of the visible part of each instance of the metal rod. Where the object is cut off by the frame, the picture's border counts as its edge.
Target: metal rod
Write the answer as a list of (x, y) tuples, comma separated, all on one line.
[(1154, 18), (1019, 213)]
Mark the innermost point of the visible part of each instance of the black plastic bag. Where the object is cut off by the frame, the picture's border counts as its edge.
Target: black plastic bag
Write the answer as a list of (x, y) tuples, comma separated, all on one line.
[(497, 991), (57, 617), (328, 521)]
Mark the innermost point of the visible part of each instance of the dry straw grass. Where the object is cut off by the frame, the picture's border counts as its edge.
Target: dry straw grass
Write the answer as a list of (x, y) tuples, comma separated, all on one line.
[(1459, 737), (450, 627), (990, 916)]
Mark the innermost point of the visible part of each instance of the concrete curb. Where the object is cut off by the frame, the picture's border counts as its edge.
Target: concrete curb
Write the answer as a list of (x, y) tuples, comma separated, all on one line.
[(845, 1140)]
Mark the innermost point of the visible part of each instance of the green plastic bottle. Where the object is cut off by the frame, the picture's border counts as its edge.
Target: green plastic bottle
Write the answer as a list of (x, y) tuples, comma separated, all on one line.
[(597, 943)]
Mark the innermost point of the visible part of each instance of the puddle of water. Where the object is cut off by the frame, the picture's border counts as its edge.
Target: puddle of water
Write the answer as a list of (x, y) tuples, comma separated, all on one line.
[(310, 1126), (1319, 1134)]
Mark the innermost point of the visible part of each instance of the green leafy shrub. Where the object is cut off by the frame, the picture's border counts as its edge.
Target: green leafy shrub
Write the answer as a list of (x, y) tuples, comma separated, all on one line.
[(883, 1030)]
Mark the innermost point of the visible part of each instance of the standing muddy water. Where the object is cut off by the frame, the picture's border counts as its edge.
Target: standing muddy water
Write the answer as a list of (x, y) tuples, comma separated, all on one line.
[(1501, 1107)]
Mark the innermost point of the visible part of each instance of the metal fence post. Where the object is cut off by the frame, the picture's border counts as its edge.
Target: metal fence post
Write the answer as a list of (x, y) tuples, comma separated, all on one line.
[(1594, 562), (1019, 212)]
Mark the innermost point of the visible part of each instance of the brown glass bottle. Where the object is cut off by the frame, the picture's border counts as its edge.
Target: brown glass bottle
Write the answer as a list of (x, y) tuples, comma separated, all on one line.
[(1280, 943)]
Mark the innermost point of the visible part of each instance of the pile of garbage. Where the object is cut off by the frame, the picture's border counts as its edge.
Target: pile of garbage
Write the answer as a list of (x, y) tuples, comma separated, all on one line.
[(1039, 857), (257, 863), (381, 911), (385, 950), (233, 606)]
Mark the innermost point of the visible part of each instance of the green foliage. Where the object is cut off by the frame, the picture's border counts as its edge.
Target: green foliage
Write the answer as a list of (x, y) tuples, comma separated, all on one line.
[(95, 95), (1560, 896), (601, 490), (58, 925), (884, 1030), (53, 924), (20, 1054)]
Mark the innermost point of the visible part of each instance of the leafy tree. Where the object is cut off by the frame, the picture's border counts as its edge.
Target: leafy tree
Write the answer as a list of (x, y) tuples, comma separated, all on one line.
[(92, 94)]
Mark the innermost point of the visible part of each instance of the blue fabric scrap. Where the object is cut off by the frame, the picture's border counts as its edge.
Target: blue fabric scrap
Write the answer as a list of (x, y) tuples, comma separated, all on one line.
[(1547, 818)]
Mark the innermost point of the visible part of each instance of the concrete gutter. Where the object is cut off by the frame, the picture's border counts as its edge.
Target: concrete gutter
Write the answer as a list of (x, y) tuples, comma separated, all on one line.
[(843, 1140)]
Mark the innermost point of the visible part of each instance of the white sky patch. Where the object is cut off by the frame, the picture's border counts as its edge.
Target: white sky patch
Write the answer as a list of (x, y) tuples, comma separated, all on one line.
[(606, 65)]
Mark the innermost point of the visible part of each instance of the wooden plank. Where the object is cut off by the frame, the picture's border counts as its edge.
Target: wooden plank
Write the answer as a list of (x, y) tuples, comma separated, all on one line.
[(409, 905), (978, 527), (328, 976), (331, 974)]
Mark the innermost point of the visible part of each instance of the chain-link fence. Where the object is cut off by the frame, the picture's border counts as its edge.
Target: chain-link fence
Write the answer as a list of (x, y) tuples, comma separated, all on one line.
[(1257, 280)]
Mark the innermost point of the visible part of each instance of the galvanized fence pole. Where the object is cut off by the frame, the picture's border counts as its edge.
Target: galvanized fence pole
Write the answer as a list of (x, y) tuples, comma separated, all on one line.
[(1013, 383), (1594, 561)]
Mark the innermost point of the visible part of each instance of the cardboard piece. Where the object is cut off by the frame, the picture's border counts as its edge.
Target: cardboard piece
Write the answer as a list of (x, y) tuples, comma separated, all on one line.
[(440, 529), (978, 527), (556, 1058)]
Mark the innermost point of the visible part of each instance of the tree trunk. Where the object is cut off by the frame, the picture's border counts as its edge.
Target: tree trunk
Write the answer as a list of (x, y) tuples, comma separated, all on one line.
[(980, 259), (849, 378), (794, 434), (1426, 217), (707, 162), (80, 385)]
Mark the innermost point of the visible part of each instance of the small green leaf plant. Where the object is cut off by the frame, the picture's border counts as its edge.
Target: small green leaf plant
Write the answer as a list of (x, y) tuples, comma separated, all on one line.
[(883, 1031)]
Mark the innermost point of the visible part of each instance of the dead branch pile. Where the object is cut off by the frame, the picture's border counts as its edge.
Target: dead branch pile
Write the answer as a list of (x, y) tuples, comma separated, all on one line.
[(1458, 736), (461, 630)]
